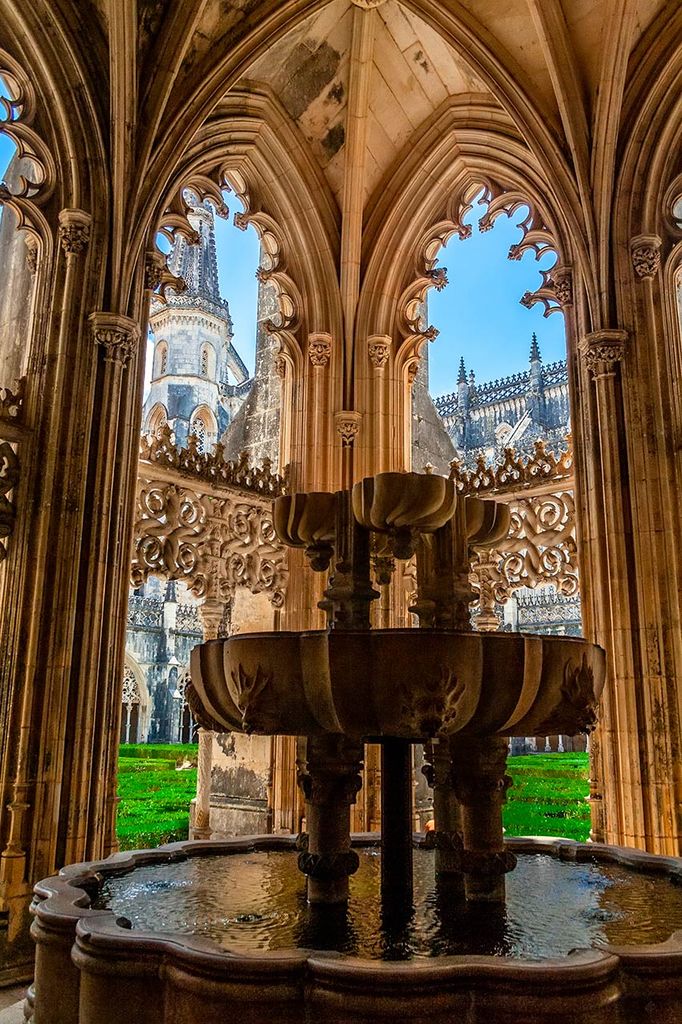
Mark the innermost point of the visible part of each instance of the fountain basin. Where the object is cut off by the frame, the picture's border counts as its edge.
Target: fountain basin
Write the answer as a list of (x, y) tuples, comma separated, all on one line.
[(405, 683), (91, 968)]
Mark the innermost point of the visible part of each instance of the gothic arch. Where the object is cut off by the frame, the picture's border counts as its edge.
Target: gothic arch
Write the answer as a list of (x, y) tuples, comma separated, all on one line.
[(204, 427), (133, 671), (160, 358), (157, 418)]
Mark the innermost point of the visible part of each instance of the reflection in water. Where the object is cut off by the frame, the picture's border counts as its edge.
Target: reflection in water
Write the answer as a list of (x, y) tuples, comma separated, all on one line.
[(256, 901)]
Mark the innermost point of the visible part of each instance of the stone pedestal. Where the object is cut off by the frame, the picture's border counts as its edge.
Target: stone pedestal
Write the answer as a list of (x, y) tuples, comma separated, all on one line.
[(330, 780)]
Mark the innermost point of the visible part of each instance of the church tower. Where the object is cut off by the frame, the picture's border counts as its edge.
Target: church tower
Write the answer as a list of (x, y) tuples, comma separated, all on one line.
[(196, 370)]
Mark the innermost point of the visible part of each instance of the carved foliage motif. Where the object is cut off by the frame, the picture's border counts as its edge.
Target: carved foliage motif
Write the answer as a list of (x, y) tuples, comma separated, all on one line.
[(9, 477), (433, 709), (246, 689), (646, 255), (347, 427), (319, 349), (541, 546), (578, 709), (74, 231)]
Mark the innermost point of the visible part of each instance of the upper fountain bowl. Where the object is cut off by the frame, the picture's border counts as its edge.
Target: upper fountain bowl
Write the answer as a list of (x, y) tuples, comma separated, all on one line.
[(405, 683)]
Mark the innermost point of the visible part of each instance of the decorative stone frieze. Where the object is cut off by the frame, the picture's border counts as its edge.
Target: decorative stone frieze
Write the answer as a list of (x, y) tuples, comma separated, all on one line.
[(645, 251), (347, 426), (74, 231), (320, 349), (602, 350), (118, 335), (367, 5), (379, 349)]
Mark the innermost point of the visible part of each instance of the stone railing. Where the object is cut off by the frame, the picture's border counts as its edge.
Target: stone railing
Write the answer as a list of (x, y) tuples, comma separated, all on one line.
[(145, 612), (206, 521)]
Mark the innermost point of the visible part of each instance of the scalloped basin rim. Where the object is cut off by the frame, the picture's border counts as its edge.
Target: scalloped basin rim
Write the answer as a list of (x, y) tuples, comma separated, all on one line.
[(414, 683), (63, 900)]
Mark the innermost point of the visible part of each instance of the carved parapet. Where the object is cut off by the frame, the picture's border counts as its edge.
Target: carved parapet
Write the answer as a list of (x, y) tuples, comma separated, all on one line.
[(515, 473), (210, 467), (118, 336), (603, 350), (645, 251), (74, 231)]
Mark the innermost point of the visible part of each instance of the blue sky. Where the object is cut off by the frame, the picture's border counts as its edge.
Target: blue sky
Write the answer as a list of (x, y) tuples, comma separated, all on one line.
[(478, 315)]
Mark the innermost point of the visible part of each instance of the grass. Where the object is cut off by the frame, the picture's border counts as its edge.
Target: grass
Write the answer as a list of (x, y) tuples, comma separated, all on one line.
[(154, 797), (547, 798)]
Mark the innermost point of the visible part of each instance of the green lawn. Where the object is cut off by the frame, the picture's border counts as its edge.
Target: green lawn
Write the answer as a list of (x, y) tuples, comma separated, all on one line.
[(547, 798), (154, 807)]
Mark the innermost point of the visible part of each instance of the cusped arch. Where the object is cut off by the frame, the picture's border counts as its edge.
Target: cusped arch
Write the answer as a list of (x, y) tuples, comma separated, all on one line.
[(133, 674)]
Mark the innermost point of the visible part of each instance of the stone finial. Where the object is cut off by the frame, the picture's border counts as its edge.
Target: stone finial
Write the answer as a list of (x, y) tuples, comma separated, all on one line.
[(319, 349), (347, 426), (118, 335), (74, 231), (645, 251), (602, 350), (379, 349)]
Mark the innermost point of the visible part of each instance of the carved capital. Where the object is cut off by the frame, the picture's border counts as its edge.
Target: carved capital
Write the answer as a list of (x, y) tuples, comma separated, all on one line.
[(347, 426), (320, 349), (645, 251), (562, 279), (379, 349), (281, 367), (118, 335), (412, 370), (602, 350), (74, 231)]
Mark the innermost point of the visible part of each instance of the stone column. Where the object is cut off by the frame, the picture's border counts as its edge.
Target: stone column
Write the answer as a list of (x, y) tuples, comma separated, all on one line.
[(330, 779), (447, 814), (211, 614), (478, 767)]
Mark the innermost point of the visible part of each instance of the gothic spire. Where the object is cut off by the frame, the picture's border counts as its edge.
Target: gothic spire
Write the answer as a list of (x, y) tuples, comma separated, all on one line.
[(535, 356), (198, 264), (462, 377)]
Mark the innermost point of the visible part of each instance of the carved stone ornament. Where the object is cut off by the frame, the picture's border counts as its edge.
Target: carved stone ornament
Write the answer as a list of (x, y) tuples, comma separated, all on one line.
[(515, 473), (645, 251), (367, 5), (320, 349), (562, 280), (347, 426), (602, 350), (9, 477), (118, 335), (74, 231), (379, 349), (432, 709), (578, 709), (281, 367), (11, 402), (32, 254)]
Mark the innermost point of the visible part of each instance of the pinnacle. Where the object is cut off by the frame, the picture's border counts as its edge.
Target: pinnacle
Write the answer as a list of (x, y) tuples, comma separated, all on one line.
[(462, 376), (535, 356)]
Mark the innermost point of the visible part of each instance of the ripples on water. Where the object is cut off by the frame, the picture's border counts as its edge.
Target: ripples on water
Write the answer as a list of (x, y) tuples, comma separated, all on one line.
[(256, 901)]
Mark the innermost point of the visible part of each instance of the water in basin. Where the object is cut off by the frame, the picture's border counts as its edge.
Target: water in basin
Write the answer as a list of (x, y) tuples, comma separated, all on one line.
[(251, 902)]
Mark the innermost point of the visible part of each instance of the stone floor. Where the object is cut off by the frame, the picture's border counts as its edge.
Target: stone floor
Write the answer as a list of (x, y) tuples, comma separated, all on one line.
[(11, 1005)]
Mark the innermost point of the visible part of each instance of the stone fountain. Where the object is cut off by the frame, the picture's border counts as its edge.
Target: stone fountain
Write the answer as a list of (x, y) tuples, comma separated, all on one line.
[(460, 693)]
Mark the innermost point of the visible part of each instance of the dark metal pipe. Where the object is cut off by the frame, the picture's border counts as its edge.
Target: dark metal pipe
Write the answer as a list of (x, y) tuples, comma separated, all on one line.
[(396, 825)]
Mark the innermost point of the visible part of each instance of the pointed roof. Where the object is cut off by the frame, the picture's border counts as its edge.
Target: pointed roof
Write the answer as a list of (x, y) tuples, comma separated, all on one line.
[(462, 377), (198, 264)]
